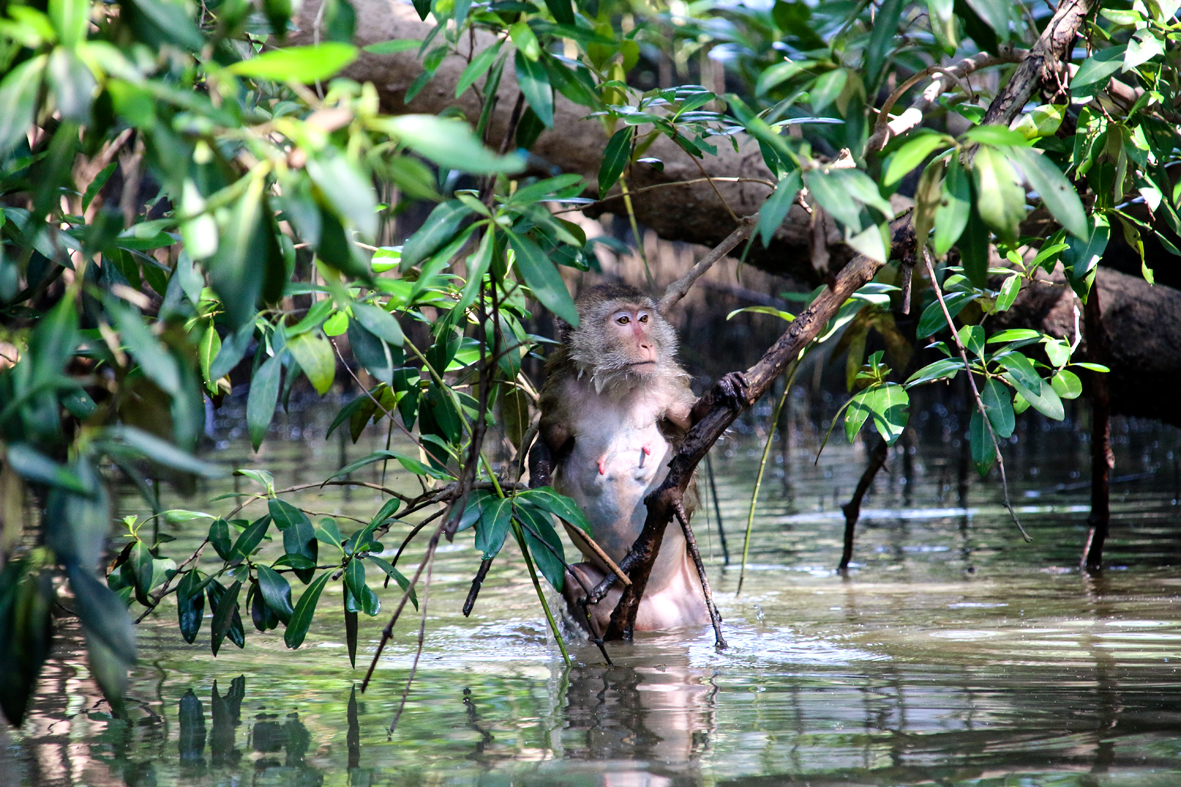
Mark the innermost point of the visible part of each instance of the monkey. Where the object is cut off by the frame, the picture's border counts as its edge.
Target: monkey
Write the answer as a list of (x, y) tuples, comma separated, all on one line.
[(614, 407)]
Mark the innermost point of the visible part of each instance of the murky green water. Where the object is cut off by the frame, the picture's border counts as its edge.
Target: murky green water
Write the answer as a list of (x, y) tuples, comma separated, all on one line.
[(952, 653)]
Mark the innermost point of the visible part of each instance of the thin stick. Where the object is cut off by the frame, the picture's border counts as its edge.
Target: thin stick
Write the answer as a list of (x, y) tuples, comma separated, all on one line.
[(975, 391), (549, 616), (388, 631), (679, 288), (426, 596), (852, 509), (750, 517), (691, 542), (619, 573)]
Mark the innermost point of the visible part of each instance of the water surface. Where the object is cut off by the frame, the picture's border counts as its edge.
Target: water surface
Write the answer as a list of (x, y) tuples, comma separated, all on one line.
[(952, 653)]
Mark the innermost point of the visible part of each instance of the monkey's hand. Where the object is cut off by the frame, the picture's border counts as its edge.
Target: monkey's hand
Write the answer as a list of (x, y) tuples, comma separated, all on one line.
[(541, 466), (733, 390)]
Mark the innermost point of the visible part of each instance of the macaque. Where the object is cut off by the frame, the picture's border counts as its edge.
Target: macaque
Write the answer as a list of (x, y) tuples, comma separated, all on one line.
[(614, 407)]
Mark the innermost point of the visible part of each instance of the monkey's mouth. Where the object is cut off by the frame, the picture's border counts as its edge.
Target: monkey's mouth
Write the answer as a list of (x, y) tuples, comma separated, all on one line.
[(640, 363)]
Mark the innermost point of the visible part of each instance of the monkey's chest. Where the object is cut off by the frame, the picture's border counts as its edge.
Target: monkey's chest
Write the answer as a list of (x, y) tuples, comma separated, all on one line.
[(613, 466)]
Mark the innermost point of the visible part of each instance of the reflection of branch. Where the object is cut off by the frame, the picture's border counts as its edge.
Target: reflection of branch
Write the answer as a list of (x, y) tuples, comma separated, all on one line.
[(975, 391)]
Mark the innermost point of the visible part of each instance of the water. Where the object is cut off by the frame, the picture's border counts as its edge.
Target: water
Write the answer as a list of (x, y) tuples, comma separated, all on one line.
[(952, 653)]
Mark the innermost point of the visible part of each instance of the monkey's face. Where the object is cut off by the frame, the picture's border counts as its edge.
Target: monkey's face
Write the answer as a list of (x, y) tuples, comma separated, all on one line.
[(629, 333)]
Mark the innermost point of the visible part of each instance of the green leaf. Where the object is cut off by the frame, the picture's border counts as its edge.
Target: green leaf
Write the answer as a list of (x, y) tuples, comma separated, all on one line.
[(943, 369), (164, 453), (1047, 402), (1093, 74), (26, 635), (305, 609), (34, 466), (543, 542), (379, 322), (305, 64), (542, 277), (219, 537), (1022, 371), (888, 405), (951, 217), (299, 541), (314, 355), (224, 614), (615, 158), (102, 613), (999, 196), (562, 10), (1067, 384), (190, 605), (933, 320), (18, 101), (1014, 335), (207, 350), (329, 533), (440, 227), (157, 363), (374, 354), (559, 505), (70, 19), (349, 193), (855, 417), (912, 154), (250, 538), (354, 581), (276, 591), (998, 403), (396, 575), (450, 144), (534, 83), (980, 442), (72, 84), (1061, 198), (1008, 293), (995, 14), (478, 67), (882, 38), (493, 527), (972, 337), (776, 207), (262, 398)]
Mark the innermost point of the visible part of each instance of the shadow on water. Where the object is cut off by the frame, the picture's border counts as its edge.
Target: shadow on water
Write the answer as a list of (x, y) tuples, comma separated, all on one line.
[(950, 654)]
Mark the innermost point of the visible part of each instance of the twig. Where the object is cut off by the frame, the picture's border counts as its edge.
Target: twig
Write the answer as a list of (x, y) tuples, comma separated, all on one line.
[(426, 595), (679, 288), (388, 631), (975, 391), (695, 553), (549, 615)]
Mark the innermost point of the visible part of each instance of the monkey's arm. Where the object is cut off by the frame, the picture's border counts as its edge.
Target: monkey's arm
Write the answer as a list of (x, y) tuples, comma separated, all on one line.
[(554, 443)]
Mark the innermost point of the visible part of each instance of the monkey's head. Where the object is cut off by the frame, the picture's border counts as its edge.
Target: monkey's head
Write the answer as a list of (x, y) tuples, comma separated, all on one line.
[(621, 337)]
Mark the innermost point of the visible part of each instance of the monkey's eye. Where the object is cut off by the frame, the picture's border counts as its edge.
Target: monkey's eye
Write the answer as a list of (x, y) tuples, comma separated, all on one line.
[(643, 318), (624, 320)]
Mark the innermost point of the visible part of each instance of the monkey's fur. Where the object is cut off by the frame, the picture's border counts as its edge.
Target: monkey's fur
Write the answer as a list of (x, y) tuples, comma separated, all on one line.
[(614, 407)]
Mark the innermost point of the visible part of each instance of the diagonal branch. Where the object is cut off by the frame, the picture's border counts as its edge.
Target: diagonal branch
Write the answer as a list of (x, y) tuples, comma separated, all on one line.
[(663, 502)]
